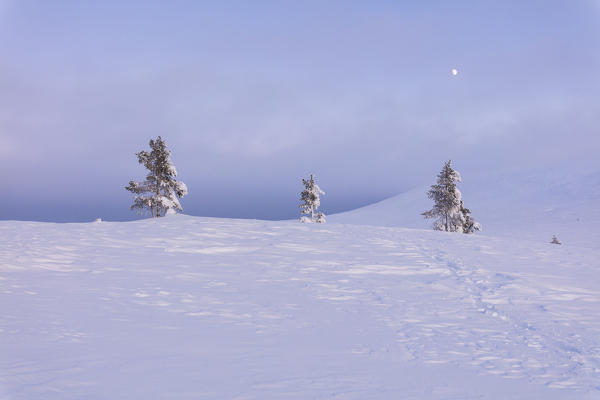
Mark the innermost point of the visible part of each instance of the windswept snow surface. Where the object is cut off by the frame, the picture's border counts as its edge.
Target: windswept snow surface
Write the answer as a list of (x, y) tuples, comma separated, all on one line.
[(197, 308)]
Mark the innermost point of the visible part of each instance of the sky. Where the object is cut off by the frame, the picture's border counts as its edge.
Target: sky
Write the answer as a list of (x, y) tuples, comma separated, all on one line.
[(252, 96)]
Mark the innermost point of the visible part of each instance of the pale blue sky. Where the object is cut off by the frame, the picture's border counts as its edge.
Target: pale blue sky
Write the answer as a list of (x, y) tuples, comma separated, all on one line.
[(252, 96)]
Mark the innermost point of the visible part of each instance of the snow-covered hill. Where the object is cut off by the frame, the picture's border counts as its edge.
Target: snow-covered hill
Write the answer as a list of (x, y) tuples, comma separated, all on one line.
[(197, 308), (533, 205)]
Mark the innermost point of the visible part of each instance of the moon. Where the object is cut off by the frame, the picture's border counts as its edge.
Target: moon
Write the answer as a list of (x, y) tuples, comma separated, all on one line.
[(454, 72)]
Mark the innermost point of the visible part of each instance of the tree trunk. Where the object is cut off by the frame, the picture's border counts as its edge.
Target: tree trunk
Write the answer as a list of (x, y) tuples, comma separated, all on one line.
[(157, 194)]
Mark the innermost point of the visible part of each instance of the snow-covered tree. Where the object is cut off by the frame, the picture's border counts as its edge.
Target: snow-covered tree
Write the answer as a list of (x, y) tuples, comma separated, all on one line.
[(448, 209), (160, 191), (469, 224), (311, 201), (555, 240), (320, 217)]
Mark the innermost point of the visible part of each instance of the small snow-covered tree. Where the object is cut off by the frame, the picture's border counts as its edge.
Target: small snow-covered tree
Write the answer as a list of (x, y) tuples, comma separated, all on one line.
[(160, 191), (555, 240), (311, 201), (448, 209), (469, 224), (320, 218)]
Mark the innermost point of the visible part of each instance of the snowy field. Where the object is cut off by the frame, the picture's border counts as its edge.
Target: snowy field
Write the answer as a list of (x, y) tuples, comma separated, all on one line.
[(199, 308)]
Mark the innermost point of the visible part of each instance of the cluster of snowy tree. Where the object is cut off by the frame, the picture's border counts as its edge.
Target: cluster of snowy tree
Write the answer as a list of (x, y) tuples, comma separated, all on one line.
[(160, 192), (448, 210)]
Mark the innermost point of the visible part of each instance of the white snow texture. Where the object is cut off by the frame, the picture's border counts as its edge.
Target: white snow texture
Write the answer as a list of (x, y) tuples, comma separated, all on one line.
[(202, 308)]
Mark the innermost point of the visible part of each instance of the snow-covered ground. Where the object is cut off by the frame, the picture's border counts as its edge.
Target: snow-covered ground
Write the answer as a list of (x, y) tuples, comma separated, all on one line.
[(199, 308)]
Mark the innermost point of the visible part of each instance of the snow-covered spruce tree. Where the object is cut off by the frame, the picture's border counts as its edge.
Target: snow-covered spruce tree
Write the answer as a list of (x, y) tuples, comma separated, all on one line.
[(311, 201), (160, 191), (448, 209), (320, 218), (469, 224)]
